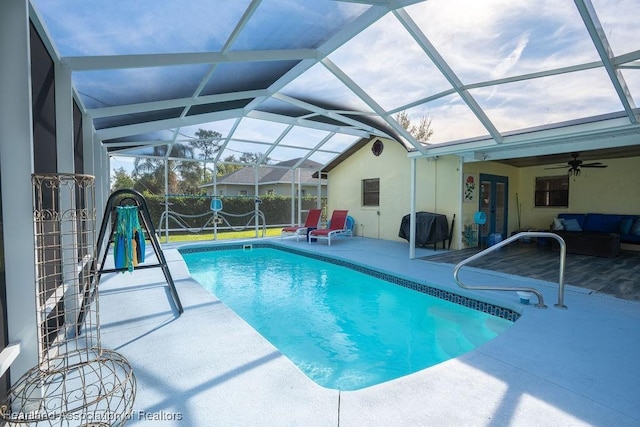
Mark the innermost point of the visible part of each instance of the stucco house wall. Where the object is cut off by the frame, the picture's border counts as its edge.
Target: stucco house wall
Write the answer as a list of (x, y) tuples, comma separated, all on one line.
[(615, 189), (437, 188), (498, 169), (440, 186)]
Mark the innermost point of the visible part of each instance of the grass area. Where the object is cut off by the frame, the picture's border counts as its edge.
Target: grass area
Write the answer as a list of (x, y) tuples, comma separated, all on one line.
[(222, 235)]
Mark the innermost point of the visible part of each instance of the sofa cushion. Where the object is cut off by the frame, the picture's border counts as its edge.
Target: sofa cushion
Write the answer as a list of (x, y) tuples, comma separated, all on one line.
[(635, 228), (558, 224), (625, 225), (630, 238), (571, 224), (602, 223), (578, 217)]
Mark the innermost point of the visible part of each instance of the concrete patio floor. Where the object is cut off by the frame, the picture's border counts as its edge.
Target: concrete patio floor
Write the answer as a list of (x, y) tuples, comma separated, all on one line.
[(207, 367)]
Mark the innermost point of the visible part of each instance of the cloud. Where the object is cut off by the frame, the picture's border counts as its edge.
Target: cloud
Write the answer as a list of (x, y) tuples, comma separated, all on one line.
[(387, 62), (512, 58)]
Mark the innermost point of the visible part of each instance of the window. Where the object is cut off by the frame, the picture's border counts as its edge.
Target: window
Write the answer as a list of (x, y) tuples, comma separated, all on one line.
[(270, 193), (552, 191), (371, 192)]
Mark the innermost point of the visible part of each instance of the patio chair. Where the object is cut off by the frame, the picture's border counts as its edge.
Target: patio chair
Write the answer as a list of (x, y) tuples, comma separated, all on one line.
[(312, 221), (337, 227)]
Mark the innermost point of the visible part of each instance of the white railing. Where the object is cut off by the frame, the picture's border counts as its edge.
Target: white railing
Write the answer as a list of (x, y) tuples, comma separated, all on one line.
[(525, 234)]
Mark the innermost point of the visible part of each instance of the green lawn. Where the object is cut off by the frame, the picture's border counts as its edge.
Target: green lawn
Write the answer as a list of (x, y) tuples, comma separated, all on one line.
[(195, 237)]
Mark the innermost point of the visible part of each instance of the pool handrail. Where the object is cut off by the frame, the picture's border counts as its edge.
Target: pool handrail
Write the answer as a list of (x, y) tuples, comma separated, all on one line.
[(518, 236)]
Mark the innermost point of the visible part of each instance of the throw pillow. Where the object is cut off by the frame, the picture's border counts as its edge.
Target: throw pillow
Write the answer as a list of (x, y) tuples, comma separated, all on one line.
[(635, 228), (625, 225), (558, 224), (572, 225)]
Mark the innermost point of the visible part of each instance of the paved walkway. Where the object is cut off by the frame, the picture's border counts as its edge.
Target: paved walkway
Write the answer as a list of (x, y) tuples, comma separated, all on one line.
[(207, 367)]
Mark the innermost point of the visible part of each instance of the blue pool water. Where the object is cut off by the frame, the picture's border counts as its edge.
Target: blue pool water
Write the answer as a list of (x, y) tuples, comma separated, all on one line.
[(344, 329)]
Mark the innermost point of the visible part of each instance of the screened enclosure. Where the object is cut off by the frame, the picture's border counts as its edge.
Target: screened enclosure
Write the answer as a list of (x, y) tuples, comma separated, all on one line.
[(198, 91)]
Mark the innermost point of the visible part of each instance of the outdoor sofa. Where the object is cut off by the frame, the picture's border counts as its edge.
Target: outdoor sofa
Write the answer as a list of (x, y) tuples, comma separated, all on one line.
[(596, 234)]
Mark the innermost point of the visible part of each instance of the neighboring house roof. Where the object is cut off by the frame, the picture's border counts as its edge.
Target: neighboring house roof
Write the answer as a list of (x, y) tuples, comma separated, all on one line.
[(272, 175)]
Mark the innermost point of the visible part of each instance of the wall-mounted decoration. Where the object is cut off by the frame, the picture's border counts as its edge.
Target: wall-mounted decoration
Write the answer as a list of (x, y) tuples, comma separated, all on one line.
[(377, 147), (470, 186)]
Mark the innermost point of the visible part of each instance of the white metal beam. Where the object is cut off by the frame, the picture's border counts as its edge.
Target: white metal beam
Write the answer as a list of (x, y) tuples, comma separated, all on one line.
[(340, 38), (118, 62), (371, 103), (248, 13), (307, 123), (561, 140), (144, 107), (317, 148), (447, 72), (599, 38), (157, 125), (43, 32), (334, 115), (274, 144)]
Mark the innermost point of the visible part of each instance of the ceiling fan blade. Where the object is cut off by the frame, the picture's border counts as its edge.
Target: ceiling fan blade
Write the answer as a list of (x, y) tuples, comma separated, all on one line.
[(593, 165), (558, 167)]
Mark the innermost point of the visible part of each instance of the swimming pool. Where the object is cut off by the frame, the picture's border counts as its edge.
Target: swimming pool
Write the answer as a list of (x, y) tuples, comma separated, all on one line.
[(345, 326)]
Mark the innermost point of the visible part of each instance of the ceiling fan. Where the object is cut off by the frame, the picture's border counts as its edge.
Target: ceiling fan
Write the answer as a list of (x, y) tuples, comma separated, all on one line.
[(575, 165)]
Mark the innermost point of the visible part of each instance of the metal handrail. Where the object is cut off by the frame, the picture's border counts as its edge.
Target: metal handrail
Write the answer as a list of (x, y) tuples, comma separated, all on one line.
[(540, 304)]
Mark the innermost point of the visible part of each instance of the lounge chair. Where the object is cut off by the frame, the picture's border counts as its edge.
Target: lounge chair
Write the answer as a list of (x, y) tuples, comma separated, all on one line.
[(337, 227), (312, 221)]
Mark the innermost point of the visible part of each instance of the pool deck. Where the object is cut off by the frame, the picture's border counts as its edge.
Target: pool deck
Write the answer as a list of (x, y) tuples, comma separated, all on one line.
[(207, 367)]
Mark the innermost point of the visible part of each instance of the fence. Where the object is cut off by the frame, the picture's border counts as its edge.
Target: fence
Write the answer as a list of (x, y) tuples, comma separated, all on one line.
[(196, 214)]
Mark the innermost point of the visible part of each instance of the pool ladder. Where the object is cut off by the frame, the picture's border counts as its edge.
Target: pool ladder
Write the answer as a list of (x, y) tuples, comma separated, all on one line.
[(524, 234)]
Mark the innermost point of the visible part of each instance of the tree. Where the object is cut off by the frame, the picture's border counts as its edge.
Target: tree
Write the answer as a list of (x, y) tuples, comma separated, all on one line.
[(208, 145), (121, 179), (421, 132), (253, 158), (223, 169), (191, 174), (148, 172), (185, 173), (151, 182), (144, 165), (229, 167)]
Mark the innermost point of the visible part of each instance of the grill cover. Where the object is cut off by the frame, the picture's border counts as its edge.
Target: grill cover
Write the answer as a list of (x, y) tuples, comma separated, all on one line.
[(430, 228)]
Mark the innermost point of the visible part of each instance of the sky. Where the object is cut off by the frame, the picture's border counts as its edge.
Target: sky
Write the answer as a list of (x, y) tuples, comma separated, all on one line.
[(458, 42)]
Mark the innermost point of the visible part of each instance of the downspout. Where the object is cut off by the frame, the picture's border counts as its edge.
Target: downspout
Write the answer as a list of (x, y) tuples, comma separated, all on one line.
[(166, 200), (215, 194), (255, 204), (319, 191), (412, 220), (292, 206), (299, 196), (460, 203)]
